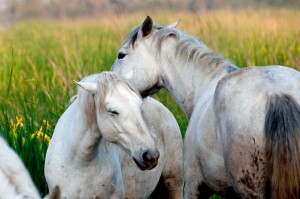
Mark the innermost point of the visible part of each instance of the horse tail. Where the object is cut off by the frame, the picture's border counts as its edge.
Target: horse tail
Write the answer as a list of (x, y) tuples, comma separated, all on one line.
[(282, 126)]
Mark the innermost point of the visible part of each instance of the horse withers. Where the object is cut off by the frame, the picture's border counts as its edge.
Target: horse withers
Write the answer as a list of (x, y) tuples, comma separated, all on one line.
[(243, 135), (111, 143)]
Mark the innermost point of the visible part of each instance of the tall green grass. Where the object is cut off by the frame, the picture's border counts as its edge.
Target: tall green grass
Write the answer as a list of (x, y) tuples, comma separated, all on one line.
[(39, 60)]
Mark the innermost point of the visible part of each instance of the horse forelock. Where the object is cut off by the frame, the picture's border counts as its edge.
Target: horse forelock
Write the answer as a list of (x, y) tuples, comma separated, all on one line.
[(109, 78), (132, 36), (104, 80)]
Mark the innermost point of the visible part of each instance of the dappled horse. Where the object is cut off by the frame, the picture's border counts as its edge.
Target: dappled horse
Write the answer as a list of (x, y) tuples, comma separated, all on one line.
[(243, 137), (15, 180), (111, 143)]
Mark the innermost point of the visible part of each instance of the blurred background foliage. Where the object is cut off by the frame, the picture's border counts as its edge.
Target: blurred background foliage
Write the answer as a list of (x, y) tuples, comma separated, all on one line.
[(16, 10)]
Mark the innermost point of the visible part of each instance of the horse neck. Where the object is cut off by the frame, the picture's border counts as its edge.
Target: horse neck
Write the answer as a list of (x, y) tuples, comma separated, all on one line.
[(84, 133), (190, 80)]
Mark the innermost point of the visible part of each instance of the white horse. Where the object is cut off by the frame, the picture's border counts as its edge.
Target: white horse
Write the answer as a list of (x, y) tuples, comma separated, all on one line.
[(15, 180), (84, 157), (243, 137)]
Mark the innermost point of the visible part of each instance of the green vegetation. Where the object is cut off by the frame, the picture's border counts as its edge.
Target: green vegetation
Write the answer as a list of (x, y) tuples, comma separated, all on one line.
[(39, 60)]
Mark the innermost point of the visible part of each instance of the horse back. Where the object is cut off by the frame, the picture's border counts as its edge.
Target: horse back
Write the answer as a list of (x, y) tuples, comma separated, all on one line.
[(241, 104)]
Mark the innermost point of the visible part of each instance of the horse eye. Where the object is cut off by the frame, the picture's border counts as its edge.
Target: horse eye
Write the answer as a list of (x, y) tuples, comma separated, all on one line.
[(112, 112), (121, 55)]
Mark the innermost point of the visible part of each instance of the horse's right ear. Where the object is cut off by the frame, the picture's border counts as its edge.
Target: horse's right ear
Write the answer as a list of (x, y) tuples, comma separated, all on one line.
[(91, 87), (147, 26)]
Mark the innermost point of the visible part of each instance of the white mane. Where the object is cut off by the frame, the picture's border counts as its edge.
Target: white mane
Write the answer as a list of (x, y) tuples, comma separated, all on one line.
[(189, 48), (192, 50)]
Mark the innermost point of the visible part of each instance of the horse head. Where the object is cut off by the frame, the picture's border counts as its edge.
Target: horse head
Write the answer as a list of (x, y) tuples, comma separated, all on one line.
[(137, 58), (119, 115)]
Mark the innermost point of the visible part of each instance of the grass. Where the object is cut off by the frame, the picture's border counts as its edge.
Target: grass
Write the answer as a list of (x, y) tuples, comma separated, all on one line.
[(39, 60)]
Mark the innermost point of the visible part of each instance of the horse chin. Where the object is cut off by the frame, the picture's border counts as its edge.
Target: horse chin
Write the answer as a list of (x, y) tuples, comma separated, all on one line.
[(150, 91), (143, 166)]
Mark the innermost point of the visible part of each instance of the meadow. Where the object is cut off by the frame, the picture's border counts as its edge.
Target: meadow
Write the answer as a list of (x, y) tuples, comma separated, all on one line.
[(40, 59)]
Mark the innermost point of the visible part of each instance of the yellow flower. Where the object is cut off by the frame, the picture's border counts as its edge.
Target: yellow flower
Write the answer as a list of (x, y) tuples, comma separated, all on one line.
[(40, 135), (19, 121), (45, 122)]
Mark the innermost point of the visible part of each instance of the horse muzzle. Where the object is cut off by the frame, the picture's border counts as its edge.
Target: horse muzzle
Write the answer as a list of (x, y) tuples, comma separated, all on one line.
[(148, 160)]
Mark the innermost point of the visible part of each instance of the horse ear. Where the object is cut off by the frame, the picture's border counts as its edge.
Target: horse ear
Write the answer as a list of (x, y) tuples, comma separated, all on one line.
[(174, 25), (147, 26), (91, 87)]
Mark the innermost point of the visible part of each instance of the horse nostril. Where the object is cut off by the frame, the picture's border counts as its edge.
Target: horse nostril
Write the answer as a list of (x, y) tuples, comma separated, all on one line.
[(146, 156), (150, 157)]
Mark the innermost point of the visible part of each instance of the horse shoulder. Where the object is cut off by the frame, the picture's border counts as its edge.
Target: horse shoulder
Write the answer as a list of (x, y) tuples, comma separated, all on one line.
[(162, 120), (166, 125), (166, 128)]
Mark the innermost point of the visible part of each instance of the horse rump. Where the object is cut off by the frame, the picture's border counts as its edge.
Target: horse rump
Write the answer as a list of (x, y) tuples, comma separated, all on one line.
[(282, 127)]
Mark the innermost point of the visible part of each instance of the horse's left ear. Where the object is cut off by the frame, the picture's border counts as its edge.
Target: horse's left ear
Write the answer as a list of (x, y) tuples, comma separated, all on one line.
[(174, 25), (147, 26), (91, 87)]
